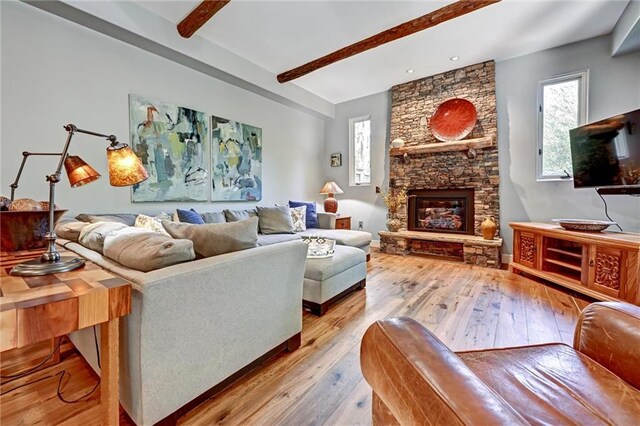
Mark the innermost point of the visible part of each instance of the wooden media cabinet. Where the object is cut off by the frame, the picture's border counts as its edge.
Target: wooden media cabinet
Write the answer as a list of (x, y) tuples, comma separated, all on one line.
[(603, 265)]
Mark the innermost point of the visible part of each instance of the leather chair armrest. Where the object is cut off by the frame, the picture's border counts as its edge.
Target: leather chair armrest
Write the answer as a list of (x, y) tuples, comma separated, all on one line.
[(327, 220), (421, 381), (609, 333)]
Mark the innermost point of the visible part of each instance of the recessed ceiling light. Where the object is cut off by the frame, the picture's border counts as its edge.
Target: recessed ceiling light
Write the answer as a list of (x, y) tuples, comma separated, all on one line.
[(454, 58), (410, 71)]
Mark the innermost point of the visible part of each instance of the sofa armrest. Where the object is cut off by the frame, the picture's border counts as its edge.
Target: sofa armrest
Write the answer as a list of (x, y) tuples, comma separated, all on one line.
[(421, 381), (607, 332), (327, 220)]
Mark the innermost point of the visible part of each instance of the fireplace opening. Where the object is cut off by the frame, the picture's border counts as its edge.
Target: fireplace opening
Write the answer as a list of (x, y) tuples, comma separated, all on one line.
[(441, 210)]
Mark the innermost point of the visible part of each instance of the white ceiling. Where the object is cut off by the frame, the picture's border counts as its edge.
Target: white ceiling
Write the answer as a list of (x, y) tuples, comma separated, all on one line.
[(280, 35)]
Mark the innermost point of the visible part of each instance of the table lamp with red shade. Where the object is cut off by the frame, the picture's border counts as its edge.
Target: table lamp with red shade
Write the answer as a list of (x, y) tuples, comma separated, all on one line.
[(331, 204)]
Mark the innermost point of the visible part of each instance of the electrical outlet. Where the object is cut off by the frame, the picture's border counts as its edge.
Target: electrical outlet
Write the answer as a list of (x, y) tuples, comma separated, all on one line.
[(377, 189), (360, 224)]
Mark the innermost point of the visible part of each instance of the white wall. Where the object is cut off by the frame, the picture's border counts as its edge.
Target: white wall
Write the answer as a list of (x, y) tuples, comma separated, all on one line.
[(613, 88), (360, 202), (56, 72)]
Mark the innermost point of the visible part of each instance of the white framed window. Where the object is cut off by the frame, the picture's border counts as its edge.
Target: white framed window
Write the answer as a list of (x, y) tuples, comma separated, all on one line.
[(360, 151), (562, 106)]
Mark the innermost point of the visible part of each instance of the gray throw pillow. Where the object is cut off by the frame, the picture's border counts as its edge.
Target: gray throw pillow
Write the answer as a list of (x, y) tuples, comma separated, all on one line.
[(236, 215), (146, 251), (275, 220), (127, 219), (213, 217), (92, 236), (212, 239)]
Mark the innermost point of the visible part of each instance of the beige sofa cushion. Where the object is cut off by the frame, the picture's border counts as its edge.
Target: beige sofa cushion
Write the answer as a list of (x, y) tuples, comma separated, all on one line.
[(70, 230), (145, 250), (92, 236), (212, 239)]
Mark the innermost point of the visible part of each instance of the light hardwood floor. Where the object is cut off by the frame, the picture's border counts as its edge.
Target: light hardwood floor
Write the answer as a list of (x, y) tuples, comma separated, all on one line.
[(321, 383)]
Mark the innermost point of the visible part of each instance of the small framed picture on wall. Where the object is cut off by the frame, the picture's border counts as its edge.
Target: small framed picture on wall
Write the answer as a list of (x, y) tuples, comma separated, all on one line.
[(336, 159)]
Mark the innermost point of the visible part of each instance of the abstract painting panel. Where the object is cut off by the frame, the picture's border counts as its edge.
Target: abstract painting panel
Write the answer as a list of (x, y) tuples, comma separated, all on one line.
[(236, 161), (172, 143)]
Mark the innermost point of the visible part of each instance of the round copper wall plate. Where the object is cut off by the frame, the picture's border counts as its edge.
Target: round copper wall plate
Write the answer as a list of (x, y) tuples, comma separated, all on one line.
[(453, 120)]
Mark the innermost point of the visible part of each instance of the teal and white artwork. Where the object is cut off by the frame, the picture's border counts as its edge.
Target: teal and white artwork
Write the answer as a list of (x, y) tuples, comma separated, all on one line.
[(172, 143), (236, 161)]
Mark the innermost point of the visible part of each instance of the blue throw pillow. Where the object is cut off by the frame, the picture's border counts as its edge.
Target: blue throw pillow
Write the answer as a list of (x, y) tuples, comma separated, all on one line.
[(312, 214), (190, 216)]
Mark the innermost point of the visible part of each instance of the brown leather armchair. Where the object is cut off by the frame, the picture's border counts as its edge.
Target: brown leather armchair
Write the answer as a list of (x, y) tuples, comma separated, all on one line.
[(417, 380)]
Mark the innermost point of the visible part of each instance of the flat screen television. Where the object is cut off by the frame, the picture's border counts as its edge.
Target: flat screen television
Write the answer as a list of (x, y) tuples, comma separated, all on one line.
[(606, 154)]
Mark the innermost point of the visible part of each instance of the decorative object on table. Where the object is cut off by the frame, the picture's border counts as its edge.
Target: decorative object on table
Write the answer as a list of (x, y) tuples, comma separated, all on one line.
[(4, 203), (584, 225), (24, 204), (453, 120), (173, 144), (319, 248), (236, 161), (336, 159), (25, 230), (488, 228), (124, 169), (394, 199), (397, 143), (330, 203)]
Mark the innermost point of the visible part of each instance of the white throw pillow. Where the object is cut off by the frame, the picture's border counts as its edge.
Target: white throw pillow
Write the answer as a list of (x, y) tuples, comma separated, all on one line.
[(299, 218), (151, 224)]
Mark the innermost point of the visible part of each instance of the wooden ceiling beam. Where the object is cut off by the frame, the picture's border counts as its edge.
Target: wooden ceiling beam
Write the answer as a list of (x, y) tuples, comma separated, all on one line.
[(446, 13), (199, 16)]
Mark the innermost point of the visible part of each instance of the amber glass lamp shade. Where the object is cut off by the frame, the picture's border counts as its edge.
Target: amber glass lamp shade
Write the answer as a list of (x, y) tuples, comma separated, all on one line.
[(125, 168), (79, 172)]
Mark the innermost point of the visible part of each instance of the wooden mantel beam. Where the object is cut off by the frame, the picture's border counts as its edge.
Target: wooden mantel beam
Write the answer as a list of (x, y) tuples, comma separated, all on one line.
[(446, 13), (199, 16)]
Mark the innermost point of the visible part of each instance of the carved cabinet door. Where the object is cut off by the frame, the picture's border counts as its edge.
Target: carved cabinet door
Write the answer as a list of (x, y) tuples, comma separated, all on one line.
[(526, 249), (608, 270)]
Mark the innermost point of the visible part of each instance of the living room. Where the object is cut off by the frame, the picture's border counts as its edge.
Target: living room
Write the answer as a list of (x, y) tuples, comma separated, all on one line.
[(340, 142)]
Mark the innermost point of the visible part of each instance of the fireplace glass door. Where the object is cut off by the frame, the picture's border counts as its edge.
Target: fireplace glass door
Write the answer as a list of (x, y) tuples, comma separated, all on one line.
[(441, 211)]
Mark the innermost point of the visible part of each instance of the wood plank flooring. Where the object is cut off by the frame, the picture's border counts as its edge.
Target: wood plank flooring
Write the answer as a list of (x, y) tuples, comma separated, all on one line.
[(321, 383)]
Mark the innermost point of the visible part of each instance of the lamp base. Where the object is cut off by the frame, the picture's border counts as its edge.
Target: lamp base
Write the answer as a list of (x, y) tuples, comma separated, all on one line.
[(330, 205), (36, 267)]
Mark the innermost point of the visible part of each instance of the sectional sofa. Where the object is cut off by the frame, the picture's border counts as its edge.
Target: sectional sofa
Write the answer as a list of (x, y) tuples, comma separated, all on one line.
[(197, 326)]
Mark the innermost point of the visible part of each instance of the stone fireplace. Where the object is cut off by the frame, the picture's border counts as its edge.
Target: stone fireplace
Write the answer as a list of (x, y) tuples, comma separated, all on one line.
[(441, 210), (452, 186)]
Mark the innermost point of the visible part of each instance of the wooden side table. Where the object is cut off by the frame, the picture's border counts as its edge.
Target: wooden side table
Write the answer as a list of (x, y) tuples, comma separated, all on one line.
[(343, 222), (34, 309)]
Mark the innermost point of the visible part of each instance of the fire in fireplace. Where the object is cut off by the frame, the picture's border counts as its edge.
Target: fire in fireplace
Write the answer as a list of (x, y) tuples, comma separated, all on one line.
[(441, 210)]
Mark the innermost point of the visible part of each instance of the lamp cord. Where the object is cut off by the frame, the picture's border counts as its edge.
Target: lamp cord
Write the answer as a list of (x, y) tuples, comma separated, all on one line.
[(61, 375), (606, 210)]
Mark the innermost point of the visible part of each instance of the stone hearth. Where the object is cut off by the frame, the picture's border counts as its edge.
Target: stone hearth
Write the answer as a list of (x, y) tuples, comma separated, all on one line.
[(469, 166)]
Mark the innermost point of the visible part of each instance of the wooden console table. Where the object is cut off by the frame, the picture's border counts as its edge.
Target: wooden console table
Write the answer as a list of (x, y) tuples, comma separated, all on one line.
[(34, 309), (603, 265)]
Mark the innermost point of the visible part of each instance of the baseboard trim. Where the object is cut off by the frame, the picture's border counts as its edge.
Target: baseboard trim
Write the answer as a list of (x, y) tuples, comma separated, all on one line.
[(375, 243), (507, 258)]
